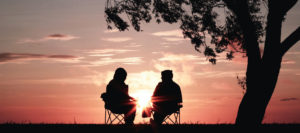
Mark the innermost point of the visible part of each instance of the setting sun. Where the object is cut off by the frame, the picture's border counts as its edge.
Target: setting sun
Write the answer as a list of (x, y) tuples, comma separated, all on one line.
[(143, 98)]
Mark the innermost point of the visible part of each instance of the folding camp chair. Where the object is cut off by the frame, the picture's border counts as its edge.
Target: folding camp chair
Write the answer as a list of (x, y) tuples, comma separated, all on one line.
[(113, 118), (110, 117), (173, 118)]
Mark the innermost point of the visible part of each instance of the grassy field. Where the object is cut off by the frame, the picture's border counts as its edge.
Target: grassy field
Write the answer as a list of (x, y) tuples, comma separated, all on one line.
[(146, 128)]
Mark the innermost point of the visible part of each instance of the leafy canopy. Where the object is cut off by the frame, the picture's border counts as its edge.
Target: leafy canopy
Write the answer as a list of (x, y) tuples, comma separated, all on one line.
[(197, 19)]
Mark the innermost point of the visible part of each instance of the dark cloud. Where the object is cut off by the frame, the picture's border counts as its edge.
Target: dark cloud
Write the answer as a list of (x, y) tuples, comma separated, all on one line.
[(11, 57), (60, 37), (62, 56), (57, 35), (288, 99)]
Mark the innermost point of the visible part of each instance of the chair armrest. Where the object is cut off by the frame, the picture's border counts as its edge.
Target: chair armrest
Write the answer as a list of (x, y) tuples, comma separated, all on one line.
[(180, 105), (104, 96)]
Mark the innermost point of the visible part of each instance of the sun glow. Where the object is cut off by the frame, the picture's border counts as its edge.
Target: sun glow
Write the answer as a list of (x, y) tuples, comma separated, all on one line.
[(143, 98)]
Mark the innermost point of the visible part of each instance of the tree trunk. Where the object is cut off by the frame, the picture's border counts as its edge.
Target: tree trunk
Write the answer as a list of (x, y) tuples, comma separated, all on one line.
[(249, 111), (262, 72), (262, 78), (254, 103)]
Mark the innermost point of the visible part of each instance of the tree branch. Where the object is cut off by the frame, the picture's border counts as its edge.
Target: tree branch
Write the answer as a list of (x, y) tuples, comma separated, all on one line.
[(241, 10), (291, 40), (232, 4), (281, 6)]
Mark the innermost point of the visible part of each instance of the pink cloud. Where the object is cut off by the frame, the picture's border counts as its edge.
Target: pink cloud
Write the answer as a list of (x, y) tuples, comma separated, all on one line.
[(117, 39), (111, 31), (108, 52), (288, 62), (110, 61), (174, 33)]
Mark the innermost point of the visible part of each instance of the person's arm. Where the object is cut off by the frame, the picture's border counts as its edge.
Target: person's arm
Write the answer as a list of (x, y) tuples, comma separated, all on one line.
[(127, 93), (107, 88), (155, 93), (107, 96), (179, 95)]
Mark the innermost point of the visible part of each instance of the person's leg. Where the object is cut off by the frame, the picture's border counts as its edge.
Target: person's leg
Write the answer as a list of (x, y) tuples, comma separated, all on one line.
[(159, 117), (130, 114)]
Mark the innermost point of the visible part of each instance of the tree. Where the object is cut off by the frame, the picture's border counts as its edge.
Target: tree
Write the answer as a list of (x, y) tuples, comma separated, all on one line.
[(243, 28)]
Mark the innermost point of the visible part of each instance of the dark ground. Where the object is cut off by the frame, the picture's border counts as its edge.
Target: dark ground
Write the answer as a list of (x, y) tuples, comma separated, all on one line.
[(145, 128)]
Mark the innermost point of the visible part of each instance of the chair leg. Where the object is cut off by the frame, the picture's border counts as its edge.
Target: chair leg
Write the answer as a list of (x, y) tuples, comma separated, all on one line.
[(117, 118), (111, 117), (179, 117), (171, 120), (105, 117), (120, 119), (114, 118), (176, 120)]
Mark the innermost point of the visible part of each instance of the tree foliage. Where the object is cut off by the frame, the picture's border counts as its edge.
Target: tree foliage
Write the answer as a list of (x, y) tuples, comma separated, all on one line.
[(197, 19)]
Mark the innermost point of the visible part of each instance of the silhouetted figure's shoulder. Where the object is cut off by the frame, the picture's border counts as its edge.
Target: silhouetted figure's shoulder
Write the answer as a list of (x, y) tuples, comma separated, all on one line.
[(159, 84), (175, 84), (118, 91), (110, 83), (170, 85), (113, 82), (117, 85)]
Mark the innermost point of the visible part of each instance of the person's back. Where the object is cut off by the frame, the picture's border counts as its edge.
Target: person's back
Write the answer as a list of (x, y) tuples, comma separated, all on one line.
[(117, 91), (166, 97), (118, 99)]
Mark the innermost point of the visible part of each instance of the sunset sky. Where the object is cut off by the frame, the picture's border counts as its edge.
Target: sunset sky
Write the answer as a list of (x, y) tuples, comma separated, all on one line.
[(56, 58)]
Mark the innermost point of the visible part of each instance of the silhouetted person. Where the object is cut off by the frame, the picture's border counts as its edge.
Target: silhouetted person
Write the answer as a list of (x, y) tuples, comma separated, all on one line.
[(166, 98), (117, 98)]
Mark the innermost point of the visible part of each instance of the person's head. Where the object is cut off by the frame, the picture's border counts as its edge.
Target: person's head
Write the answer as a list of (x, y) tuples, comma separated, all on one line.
[(166, 75), (120, 74)]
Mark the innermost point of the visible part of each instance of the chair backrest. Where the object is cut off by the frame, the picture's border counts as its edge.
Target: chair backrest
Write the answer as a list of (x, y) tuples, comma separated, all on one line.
[(111, 117), (105, 98)]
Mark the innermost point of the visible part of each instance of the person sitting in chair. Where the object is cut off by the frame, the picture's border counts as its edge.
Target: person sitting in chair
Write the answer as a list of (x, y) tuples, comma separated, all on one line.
[(117, 98), (166, 98)]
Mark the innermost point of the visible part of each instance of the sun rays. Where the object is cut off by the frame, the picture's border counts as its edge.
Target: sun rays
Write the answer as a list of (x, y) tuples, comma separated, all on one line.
[(143, 98)]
